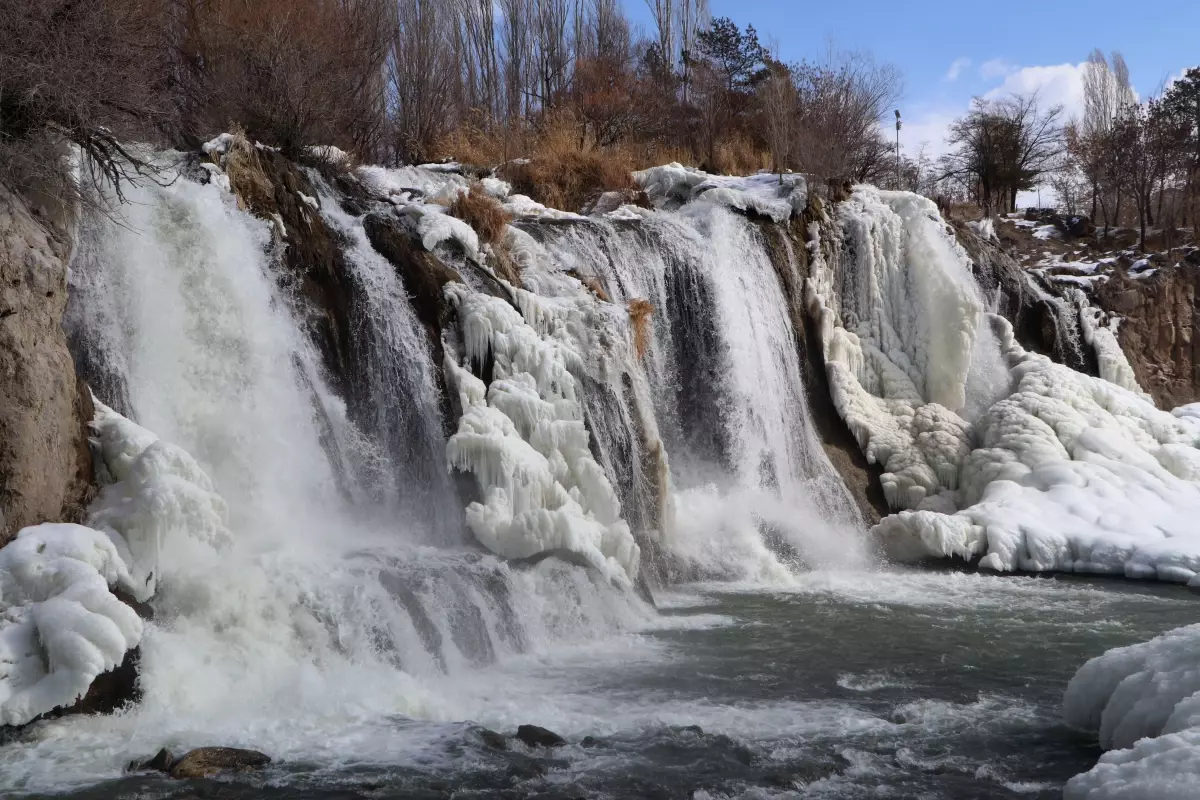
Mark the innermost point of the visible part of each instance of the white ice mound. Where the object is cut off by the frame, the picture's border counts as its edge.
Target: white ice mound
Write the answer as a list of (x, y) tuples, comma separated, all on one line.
[(524, 440), (159, 494), (60, 626), (766, 194), (1143, 702), (407, 184), (1069, 473)]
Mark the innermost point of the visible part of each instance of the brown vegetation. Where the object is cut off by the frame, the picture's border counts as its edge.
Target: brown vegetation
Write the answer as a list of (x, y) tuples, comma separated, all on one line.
[(482, 212)]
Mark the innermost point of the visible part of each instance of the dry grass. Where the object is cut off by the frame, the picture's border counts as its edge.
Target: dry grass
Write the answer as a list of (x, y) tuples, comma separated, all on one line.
[(640, 312), (592, 283), (482, 212), (565, 171), (740, 156)]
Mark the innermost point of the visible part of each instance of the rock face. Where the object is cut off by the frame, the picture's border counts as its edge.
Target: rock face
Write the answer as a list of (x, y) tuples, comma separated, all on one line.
[(45, 465), (536, 736), (1037, 322), (1159, 329)]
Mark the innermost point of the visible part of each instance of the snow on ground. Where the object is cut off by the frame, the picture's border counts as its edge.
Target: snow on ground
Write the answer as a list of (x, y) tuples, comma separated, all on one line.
[(766, 194), (1143, 701), (60, 625)]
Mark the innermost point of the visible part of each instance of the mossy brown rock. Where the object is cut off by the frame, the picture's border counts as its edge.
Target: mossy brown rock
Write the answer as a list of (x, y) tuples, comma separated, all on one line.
[(1159, 329)]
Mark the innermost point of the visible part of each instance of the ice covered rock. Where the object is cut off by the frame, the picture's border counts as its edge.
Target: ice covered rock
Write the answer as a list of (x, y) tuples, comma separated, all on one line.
[(60, 625), (1069, 473), (898, 315), (524, 440), (766, 194), (158, 494), (1143, 702)]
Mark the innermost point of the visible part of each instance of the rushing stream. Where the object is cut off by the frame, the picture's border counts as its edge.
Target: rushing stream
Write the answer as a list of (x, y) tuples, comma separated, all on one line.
[(887, 684)]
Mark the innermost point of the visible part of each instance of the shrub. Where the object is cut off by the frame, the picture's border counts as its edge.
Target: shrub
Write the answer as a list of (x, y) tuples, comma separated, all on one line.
[(76, 72), (482, 212)]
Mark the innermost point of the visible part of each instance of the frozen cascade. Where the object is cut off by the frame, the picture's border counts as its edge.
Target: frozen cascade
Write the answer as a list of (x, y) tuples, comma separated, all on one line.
[(315, 615), (726, 384)]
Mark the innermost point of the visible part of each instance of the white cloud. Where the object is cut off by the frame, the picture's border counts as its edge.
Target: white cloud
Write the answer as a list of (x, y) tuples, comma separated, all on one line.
[(1061, 84), (995, 68), (957, 68)]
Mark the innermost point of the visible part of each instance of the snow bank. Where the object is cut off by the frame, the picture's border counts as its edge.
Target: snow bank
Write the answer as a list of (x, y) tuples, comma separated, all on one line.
[(60, 626), (1143, 702), (435, 227), (524, 439), (766, 194)]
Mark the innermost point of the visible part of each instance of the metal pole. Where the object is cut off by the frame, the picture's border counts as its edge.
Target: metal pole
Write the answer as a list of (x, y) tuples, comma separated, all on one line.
[(898, 187)]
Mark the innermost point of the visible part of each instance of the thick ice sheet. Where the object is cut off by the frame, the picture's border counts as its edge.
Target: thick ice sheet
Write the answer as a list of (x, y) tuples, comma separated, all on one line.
[(1143, 702)]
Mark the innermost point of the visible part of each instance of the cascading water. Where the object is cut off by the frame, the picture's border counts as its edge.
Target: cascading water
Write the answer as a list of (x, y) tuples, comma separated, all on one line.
[(319, 614)]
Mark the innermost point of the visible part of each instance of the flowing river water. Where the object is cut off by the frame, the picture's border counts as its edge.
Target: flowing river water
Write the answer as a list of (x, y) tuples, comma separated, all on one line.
[(899, 684)]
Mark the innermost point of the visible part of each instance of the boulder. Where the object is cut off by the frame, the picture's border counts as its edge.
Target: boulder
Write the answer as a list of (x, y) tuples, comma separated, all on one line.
[(45, 465), (535, 736), (205, 762)]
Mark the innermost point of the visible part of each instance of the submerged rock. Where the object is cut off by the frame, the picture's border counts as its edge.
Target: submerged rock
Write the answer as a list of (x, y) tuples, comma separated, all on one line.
[(535, 736)]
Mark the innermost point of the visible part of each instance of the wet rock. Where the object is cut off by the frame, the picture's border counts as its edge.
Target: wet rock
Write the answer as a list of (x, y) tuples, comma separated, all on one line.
[(535, 736), (591, 741), (525, 769), (161, 762), (491, 739), (207, 761)]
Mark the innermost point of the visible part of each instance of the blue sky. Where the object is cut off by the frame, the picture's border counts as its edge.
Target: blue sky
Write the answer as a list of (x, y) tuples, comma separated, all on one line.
[(951, 50)]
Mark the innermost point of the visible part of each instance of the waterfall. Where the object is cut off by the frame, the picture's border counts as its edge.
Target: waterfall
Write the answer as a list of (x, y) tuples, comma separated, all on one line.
[(749, 475), (322, 610)]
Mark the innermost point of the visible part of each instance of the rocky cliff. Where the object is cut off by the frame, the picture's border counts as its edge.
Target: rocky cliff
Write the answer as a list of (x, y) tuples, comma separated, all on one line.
[(45, 466)]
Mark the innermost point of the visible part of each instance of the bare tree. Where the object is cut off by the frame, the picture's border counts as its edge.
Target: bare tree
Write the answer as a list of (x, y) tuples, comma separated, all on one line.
[(422, 72), (1002, 147), (84, 73), (841, 102), (777, 94)]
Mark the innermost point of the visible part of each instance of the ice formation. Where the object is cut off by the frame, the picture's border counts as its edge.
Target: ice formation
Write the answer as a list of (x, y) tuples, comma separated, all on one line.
[(991, 452), (159, 494), (60, 626), (898, 331), (769, 194), (524, 440), (1143, 702)]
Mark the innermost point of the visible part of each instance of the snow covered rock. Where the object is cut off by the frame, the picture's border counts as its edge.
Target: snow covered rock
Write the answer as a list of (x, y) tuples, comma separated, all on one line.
[(1143, 701), (524, 440), (766, 194), (60, 625)]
